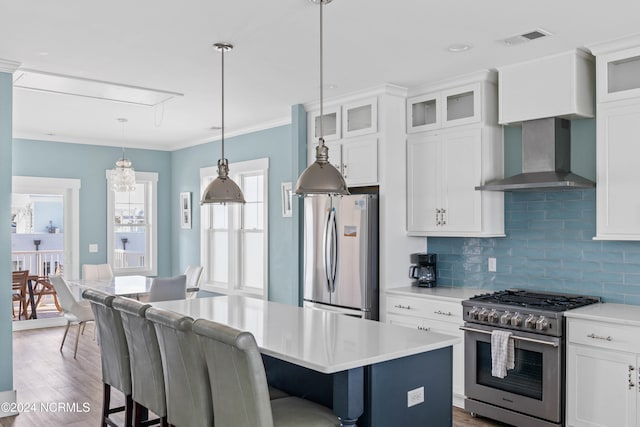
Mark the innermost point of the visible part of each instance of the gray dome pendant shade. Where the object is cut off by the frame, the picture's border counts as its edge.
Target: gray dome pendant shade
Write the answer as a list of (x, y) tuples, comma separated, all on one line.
[(222, 189), (321, 177)]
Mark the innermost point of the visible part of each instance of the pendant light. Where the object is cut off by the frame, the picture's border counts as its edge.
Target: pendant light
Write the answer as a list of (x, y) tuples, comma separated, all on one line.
[(321, 177), (222, 189), (123, 177)]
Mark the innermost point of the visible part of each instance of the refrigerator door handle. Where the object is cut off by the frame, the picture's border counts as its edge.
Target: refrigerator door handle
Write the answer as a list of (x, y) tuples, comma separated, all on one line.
[(326, 261), (333, 248)]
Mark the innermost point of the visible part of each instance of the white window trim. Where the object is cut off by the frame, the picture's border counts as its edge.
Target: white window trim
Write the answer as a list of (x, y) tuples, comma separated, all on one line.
[(152, 242), (233, 288)]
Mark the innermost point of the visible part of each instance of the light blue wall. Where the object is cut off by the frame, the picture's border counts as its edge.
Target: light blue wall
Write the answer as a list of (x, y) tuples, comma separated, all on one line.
[(275, 144), (89, 163), (549, 243), (6, 344)]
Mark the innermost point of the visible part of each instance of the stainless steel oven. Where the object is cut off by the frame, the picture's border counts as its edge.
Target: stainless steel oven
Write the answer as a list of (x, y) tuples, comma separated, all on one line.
[(532, 393), (532, 389)]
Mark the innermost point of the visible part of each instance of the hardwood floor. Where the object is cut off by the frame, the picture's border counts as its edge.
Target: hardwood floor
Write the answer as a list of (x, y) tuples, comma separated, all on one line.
[(65, 392)]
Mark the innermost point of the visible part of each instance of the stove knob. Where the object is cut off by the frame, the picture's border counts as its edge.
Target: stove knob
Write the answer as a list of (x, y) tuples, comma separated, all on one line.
[(530, 322), (505, 319), (516, 320), (483, 315), (542, 324), (473, 314), (493, 316)]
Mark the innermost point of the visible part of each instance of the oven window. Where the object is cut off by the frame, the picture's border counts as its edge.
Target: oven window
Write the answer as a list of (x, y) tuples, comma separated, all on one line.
[(525, 379)]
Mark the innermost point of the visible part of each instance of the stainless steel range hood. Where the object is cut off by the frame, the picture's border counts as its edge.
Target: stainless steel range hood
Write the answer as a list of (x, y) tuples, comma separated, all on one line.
[(546, 160)]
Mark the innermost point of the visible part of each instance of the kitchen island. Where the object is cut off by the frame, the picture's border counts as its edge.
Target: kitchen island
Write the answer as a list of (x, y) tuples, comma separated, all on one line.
[(371, 373)]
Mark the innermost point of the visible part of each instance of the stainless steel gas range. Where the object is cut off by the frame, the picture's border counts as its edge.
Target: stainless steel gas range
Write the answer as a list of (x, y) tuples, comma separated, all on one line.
[(531, 394)]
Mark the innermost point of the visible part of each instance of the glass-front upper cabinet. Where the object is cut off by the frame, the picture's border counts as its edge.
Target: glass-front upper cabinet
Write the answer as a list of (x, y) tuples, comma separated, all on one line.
[(360, 118), (331, 124), (450, 107), (618, 75)]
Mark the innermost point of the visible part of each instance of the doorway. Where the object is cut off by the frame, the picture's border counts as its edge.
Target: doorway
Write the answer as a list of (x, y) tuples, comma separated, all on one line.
[(45, 238)]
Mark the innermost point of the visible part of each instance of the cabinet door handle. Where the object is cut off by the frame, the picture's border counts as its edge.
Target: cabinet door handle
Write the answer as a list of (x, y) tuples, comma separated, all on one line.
[(424, 328), (437, 216), (404, 307), (598, 337), (442, 313)]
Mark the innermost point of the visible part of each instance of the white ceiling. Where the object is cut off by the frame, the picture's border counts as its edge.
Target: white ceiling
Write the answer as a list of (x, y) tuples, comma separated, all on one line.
[(166, 45)]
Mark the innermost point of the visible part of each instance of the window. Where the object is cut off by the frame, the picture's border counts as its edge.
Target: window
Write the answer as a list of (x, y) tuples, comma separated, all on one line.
[(234, 237), (132, 227)]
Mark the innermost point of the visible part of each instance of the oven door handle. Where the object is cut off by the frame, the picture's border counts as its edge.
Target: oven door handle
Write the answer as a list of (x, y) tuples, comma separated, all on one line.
[(515, 337)]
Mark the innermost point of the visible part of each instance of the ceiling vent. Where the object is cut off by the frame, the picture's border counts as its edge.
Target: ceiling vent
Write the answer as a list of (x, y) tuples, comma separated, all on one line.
[(538, 33)]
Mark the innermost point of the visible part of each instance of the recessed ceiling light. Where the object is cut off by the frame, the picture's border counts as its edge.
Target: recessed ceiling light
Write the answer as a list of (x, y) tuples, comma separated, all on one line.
[(459, 47)]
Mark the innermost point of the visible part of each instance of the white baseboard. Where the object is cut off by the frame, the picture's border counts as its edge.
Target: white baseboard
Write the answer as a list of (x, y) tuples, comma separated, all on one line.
[(8, 400), (458, 400), (48, 322)]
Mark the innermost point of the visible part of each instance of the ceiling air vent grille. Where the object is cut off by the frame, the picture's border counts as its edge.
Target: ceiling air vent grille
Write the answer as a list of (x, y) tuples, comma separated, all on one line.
[(538, 33)]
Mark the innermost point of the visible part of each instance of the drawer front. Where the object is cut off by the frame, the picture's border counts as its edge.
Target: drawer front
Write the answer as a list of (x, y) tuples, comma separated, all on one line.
[(444, 311), (604, 335)]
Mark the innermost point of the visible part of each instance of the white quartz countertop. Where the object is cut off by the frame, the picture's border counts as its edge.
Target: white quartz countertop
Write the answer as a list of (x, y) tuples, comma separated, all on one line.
[(607, 312), (316, 339), (450, 294)]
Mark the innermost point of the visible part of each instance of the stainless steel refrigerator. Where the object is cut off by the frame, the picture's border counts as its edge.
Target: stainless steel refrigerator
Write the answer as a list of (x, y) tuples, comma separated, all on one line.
[(341, 254)]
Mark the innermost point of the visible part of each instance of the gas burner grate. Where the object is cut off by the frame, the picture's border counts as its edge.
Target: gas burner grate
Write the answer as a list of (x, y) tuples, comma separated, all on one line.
[(529, 299)]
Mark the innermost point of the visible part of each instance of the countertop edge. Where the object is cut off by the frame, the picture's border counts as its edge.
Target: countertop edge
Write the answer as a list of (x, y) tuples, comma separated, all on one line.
[(438, 293), (622, 314)]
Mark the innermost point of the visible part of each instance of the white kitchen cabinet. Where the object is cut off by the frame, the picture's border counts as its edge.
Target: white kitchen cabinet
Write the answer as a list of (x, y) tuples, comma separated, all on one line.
[(360, 117), (436, 315), (352, 139), (454, 155), (449, 107), (618, 127), (618, 203), (443, 170), (560, 85), (356, 159), (602, 373), (332, 124)]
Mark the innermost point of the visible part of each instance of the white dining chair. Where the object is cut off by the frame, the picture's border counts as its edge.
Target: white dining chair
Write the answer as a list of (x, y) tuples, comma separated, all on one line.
[(194, 275), (97, 272), (74, 311), (168, 288)]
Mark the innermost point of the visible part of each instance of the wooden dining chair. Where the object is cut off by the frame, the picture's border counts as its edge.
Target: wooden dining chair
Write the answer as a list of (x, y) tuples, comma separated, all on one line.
[(19, 292), (44, 287), (239, 384)]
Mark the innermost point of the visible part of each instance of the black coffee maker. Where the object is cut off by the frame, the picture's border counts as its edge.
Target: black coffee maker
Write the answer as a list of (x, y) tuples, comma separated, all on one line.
[(423, 269)]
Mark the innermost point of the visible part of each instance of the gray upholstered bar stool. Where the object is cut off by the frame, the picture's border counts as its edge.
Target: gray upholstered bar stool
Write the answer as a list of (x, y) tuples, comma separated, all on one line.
[(239, 384), (147, 378), (185, 370), (114, 355)]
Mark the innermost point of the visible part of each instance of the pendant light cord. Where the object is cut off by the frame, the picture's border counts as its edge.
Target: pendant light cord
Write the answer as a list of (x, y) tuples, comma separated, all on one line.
[(222, 92), (321, 81)]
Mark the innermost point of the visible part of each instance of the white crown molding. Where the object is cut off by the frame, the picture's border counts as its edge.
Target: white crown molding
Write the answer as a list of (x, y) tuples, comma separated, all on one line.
[(384, 89), (7, 66), (615, 45), (490, 76), (151, 146)]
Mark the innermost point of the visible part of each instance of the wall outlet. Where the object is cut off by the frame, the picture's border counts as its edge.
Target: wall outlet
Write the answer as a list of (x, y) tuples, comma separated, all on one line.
[(93, 248), (415, 396), (492, 264)]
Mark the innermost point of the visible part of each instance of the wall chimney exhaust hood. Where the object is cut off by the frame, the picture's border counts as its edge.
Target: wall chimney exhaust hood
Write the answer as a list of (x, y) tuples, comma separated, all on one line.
[(546, 160)]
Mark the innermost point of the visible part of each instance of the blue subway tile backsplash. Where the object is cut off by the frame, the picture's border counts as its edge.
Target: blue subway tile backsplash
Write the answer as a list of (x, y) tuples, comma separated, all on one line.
[(548, 246)]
